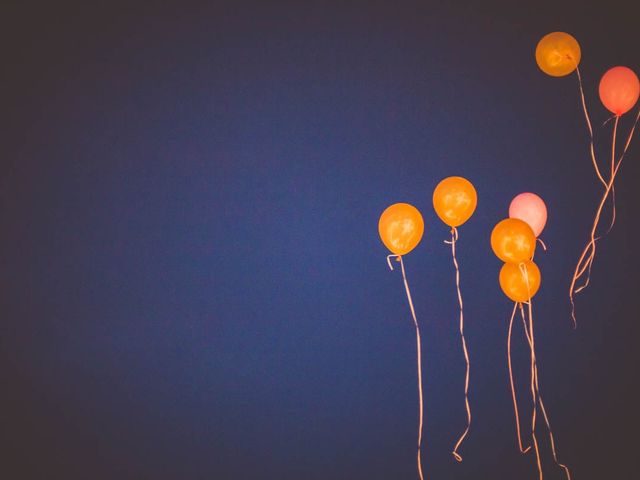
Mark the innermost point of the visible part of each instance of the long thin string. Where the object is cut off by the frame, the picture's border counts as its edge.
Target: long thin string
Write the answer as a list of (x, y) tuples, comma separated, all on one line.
[(588, 254), (454, 239), (592, 151), (613, 168), (419, 357), (613, 191), (586, 116), (513, 388), (626, 147), (523, 270), (542, 407)]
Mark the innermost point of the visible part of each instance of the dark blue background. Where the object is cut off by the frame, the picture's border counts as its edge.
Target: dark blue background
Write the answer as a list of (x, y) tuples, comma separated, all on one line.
[(191, 280)]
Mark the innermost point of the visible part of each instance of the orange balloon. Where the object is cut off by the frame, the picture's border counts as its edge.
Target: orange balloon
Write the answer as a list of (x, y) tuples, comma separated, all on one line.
[(513, 241), (619, 89), (518, 286), (558, 54), (455, 200), (401, 228)]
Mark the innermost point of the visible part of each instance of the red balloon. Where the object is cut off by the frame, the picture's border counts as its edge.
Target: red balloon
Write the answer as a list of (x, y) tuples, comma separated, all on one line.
[(619, 89)]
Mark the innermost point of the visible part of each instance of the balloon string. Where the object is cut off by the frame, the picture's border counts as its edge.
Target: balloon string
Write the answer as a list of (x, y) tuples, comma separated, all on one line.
[(542, 407), (523, 271), (586, 259), (513, 388), (592, 150), (586, 116), (626, 147), (542, 244), (613, 167), (419, 357), (454, 239)]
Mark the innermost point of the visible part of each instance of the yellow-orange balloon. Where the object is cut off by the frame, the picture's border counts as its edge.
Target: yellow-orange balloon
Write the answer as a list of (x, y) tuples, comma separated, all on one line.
[(518, 286), (558, 54), (455, 200), (513, 241), (401, 228)]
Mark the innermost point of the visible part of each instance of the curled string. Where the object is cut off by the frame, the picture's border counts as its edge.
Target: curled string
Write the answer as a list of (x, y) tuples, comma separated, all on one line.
[(389, 257), (419, 357), (608, 120), (542, 407), (586, 116), (454, 239), (523, 271), (513, 388), (587, 257), (542, 244)]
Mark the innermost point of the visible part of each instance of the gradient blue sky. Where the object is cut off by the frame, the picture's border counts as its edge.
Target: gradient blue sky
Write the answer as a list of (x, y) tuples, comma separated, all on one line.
[(191, 280)]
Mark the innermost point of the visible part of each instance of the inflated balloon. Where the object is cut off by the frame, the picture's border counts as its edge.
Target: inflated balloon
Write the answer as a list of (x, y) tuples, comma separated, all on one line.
[(513, 241), (619, 89), (530, 208), (520, 282), (517, 285), (455, 200), (401, 228), (558, 54)]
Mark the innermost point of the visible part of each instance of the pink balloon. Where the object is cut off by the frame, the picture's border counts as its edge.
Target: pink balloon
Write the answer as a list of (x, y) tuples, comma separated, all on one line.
[(530, 208)]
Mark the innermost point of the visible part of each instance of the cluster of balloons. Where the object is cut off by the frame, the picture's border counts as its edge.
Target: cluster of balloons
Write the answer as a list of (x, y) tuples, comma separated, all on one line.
[(401, 225), (558, 54), (401, 228), (514, 240)]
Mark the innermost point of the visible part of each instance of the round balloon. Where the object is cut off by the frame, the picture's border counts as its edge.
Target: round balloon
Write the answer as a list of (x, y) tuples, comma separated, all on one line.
[(518, 286), (455, 200), (558, 54), (401, 228), (513, 241), (619, 89), (530, 208)]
